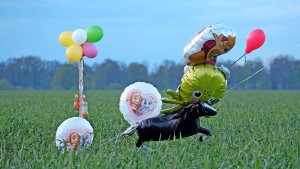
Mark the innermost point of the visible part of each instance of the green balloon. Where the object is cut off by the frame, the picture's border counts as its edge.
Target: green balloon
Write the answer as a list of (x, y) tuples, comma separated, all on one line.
[(94, 34), (203, 82)]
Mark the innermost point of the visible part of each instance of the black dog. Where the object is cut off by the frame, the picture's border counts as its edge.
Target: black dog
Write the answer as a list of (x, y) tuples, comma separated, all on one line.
[(184, 123)]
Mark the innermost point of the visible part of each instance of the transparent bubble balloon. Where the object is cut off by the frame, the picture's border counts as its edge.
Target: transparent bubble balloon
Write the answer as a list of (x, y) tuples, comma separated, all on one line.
[(74, 134)]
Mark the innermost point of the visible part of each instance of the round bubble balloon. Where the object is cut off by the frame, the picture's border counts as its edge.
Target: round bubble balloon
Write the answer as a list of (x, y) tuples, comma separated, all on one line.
[(74, 133), (140, 101), (79, 36), (74, 53), (255, 39), (65, 39), (89, 50), (94, 33)]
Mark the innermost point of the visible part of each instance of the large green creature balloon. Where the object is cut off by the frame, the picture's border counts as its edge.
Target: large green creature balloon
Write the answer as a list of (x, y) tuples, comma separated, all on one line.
[(203, 82)]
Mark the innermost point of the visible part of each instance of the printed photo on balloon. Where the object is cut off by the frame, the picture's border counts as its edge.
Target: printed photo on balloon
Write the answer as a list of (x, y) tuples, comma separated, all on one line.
[(141, 104)]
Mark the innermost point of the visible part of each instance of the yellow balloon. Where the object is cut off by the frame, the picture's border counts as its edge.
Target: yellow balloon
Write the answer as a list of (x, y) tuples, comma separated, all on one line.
[(65, 39), (74, 53)]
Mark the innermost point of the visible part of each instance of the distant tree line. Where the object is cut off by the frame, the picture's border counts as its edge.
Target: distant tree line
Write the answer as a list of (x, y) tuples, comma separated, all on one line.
[(31, 72)]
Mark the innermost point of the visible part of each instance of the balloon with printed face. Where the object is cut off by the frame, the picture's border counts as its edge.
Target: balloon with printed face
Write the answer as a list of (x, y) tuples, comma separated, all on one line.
[(255, 40), (140, 101), (74, 133), (211, 42)]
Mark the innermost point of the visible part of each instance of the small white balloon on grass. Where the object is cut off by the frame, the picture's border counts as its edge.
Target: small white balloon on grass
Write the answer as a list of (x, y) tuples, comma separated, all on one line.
[(74, 133)]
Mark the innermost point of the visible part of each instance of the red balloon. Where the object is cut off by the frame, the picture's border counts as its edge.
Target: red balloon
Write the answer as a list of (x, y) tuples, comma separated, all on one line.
[(255, 40)]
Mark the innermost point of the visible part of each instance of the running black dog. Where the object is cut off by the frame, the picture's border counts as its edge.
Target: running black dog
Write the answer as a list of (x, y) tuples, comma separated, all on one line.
[(184, 123)]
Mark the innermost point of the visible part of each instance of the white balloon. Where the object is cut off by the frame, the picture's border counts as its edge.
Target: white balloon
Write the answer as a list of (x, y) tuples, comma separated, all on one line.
[(79, 36), (140, 101), (73, 132)]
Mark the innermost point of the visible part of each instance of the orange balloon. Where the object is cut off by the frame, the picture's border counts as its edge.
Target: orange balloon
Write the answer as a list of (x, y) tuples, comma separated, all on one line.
[(74, 53), (65, 39)]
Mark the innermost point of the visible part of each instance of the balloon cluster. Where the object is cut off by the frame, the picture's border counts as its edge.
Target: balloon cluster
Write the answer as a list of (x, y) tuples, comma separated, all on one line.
[(81, 42), (202, 85)]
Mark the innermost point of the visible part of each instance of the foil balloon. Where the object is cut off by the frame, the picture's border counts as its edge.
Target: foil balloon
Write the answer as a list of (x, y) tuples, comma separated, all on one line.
[(208, 44), (183, 123), (140, 101), (74, 134), (203, 82)]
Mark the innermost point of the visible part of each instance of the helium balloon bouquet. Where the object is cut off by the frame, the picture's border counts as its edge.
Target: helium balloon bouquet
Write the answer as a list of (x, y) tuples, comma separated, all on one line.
[(76, 133), (202, 85), (202, 80)]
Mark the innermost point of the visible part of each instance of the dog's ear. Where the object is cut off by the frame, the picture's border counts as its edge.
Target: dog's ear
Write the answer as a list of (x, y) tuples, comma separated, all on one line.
[(208, 110)]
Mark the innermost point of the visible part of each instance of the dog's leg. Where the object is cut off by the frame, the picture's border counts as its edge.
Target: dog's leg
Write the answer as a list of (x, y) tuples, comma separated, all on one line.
[(145, 149), (206, 133), (140, 144)]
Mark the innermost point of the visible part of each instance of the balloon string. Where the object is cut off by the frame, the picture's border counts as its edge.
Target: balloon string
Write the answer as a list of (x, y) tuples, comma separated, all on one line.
[(107, 141), (244, 80), (80, 68), (238, 60), (107, 101), (241, 82)]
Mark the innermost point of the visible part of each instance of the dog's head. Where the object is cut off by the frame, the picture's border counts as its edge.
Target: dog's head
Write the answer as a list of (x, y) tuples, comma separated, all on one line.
[(205, 110)]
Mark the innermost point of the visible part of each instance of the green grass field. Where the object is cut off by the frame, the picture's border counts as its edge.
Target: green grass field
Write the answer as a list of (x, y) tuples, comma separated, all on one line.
[(253, 129)]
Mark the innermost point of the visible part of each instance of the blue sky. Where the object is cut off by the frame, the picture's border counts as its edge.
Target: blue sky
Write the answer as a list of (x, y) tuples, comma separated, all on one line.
[(145, 31)]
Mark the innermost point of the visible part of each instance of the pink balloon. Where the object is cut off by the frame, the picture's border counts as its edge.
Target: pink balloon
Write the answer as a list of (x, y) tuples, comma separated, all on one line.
[(89, 50), (255, 40)]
